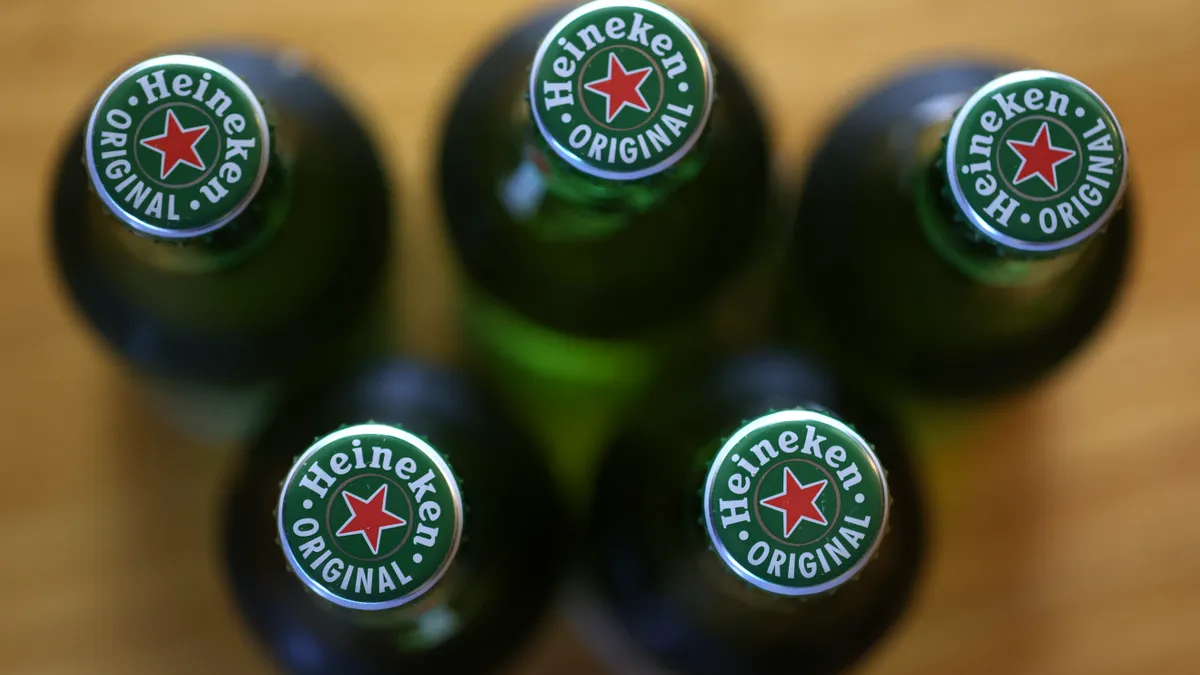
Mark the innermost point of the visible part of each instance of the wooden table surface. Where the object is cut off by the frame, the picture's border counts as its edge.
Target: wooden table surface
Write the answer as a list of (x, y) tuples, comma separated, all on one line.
[(1066, 521)]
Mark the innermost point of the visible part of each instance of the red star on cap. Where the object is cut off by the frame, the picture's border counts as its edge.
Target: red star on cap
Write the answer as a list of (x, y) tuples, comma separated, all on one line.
[(177, 145), (797, 502), (369, 517), (1040, 158), (621, 87)]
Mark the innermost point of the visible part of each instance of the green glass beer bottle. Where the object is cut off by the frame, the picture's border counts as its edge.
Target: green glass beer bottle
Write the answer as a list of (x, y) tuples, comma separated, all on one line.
[(604, 175), (221, 220), (961, 231), (756, 519), (419, 533)]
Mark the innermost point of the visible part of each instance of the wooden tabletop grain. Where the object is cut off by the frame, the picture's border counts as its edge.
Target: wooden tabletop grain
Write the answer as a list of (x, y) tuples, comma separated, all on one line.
[(1066, 521)]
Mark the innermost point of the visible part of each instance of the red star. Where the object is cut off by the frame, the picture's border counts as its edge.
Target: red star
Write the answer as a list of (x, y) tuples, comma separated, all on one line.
[(369, 517), (621, 87), (797, 502), (1040, 158), (177, 145)]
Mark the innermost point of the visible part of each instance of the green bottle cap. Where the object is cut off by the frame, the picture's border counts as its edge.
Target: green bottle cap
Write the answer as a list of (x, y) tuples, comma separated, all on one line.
[(177, 146), (1035, 161), (795, 502), (370, 517), (621, 89)]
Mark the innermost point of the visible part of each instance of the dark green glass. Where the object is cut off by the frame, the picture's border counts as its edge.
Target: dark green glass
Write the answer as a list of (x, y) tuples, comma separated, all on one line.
[(273, 293), (498, 584), (581, 288), (655, 565), (888, 278)]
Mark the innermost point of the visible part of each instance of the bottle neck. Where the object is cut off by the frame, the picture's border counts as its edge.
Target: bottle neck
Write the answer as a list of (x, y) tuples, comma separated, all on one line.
[(420, 625), (951, 238), (232, 244), (541, 181)]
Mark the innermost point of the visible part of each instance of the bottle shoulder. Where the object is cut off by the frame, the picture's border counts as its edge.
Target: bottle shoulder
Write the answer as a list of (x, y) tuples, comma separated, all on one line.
[(327, 171), (520, 229), (489, 595), (672, 572)]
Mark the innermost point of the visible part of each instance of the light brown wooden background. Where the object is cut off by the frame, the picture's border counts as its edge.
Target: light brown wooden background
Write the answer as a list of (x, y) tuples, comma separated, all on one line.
[(1066, 522)]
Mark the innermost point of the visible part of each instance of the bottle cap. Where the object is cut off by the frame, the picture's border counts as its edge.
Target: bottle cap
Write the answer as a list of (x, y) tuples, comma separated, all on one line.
[(1035, 162), (795, 502), (370, 517), (621, 89), (177, 146)]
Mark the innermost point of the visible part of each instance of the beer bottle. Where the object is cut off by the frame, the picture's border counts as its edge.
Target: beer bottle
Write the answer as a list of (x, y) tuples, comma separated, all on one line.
[(756, 519), (961, 229), (220, 219), (419, 532), (604, 175)]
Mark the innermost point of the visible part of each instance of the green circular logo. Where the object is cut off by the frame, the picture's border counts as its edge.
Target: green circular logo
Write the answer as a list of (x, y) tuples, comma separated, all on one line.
[(621, 89), (370, 517), (795, 502), (177, 146), (1036, 161)]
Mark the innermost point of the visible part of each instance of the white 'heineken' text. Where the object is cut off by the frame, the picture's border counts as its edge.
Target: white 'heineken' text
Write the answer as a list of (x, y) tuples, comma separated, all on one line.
[(1098, 172), (377, 579), (764, 451), (672, 124), (115, 146)]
